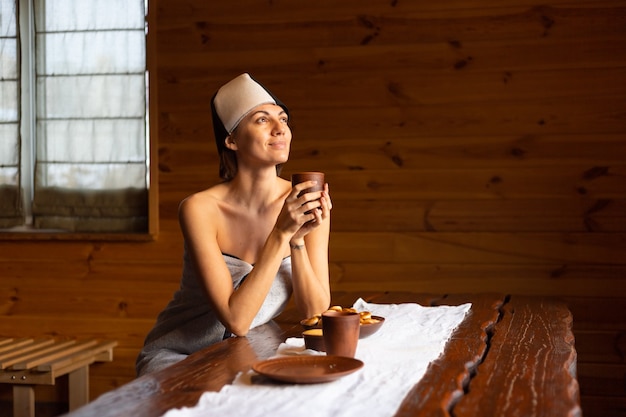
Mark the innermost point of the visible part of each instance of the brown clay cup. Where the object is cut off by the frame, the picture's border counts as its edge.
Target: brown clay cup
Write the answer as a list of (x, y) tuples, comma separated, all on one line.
[(341, 332), (314, 339), (299, 177)]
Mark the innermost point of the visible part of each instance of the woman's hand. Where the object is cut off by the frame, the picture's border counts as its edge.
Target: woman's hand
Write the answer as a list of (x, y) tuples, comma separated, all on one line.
[(302, 214), (309, 253), (320, 213)]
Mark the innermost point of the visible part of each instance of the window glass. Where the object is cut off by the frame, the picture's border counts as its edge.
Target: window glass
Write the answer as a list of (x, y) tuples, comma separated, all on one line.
[(73, 119)]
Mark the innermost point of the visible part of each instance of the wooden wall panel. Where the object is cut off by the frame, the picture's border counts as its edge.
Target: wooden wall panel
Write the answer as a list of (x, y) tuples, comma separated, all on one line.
[(485, 79), (470, 146), (463, 248), (94, 298), (554, 279), (486, 215), (326, 23)]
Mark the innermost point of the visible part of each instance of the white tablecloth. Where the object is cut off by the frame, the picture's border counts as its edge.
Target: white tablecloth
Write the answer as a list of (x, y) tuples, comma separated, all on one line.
[(395, 358)]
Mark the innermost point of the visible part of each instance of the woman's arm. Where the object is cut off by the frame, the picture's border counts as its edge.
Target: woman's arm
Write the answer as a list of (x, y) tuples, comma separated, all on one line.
[(309, 260), (235, 309)]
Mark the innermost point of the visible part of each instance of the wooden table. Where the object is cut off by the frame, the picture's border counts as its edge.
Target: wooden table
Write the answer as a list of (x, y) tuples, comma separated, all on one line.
[(511, 356)]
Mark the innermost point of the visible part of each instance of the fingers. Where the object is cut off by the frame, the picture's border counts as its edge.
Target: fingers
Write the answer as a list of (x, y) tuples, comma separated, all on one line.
[(299, 188), (308, 210), (320, 209), (296, 196), (319, 200), (326, 197)]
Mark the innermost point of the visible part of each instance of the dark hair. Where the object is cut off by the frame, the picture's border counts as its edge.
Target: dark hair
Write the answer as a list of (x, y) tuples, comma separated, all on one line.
[(228, 159)]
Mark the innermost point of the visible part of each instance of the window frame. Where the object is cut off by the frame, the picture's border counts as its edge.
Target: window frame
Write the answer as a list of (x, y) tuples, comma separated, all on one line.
[(152, 155)]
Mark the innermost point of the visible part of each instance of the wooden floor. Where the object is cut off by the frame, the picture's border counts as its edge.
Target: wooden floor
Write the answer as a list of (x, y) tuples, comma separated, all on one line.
[(41, 409)]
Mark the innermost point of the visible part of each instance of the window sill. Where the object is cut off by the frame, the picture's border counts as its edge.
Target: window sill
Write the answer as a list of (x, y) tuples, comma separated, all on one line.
[(45, 235)]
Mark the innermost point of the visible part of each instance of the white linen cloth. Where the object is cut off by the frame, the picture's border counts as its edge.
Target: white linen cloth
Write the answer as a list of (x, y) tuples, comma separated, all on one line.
[(395, 359)]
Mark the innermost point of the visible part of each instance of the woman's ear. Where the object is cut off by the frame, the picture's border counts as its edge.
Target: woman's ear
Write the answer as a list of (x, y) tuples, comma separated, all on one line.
[(230, 143)]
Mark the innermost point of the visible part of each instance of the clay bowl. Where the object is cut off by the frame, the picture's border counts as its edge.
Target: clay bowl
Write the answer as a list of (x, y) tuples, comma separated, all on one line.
[(370, 329), (365, 330), (306, 326), (314, 339)]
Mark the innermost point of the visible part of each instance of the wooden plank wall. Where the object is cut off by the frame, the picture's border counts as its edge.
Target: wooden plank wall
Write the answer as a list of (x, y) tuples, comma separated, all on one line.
[(470, 145)]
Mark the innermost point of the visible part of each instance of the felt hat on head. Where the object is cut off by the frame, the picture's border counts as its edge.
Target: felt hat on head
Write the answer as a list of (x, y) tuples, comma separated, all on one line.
[(234, 100)]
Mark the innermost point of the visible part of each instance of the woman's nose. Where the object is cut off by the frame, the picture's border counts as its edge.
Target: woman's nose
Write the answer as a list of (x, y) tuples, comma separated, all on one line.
[(278, 128)]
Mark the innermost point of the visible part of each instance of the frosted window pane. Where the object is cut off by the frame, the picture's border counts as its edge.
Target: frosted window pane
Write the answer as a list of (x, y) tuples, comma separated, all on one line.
[(92, 141), (70, 15), (9, 104), (85, 97), (8, 101), (8, 175), (7, 18), (9, 149), (8, 58), (90, 176), (91, 53)]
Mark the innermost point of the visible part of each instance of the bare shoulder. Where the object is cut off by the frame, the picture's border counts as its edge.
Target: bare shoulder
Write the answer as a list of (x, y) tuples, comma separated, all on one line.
[(203, 203)]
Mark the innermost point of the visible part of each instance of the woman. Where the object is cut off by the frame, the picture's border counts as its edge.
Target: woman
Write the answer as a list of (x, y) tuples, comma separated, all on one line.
[(250, 241)]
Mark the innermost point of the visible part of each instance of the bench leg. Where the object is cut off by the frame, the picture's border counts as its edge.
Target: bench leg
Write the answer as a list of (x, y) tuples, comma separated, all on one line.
[(79, 387), (23, 401)]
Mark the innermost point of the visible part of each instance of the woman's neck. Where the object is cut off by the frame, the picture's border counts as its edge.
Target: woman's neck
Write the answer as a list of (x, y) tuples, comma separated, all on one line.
[(255, 190)]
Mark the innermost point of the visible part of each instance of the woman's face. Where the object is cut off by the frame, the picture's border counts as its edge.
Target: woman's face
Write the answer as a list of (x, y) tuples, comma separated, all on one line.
[(263, 136)]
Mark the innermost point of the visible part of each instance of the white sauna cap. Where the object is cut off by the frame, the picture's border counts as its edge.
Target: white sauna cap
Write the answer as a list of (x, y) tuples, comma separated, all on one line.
[(235, 99)]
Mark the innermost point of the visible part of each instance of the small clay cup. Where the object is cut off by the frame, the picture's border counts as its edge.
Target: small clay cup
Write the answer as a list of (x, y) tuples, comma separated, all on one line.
[(299, 177), (314, 339), (341, 332)]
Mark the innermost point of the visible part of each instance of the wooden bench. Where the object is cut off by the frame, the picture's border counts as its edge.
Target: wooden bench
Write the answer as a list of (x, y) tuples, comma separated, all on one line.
[(26, 362)]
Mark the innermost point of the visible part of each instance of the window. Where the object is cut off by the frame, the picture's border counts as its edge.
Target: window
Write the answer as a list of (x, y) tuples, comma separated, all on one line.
[(74, 149)]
